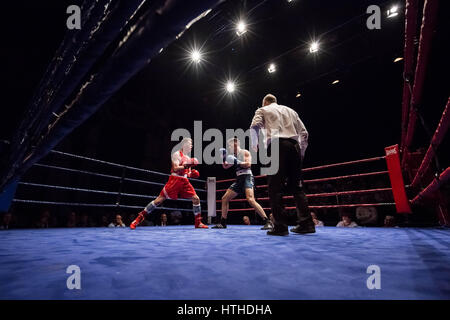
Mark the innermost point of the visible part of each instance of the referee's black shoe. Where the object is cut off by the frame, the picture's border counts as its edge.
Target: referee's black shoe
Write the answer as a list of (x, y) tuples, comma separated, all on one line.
[(304, 228), (275, 232), (219, 226)]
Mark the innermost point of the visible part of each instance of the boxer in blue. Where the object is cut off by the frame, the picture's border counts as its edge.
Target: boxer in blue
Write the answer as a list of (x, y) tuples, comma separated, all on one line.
[(241, 161)]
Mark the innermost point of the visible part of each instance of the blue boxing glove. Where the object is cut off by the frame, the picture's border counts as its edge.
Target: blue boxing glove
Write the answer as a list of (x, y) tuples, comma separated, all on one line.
[(224, 153), (233, 160)]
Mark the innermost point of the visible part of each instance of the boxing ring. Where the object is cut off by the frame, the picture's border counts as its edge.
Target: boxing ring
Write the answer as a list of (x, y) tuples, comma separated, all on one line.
[(118, 180), (180, 262), (335, 195), (241, 262)]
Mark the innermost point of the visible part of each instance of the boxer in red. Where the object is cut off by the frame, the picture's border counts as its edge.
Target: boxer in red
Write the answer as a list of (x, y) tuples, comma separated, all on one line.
[(178, 185)]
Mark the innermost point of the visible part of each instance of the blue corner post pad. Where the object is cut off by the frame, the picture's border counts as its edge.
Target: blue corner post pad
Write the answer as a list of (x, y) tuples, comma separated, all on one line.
[(7, 196)]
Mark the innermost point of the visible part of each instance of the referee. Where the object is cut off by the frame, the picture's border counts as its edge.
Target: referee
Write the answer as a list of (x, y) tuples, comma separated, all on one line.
[(283, 123)]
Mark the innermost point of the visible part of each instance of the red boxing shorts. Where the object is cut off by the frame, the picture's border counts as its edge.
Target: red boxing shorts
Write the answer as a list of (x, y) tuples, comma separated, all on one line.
[(178, 187)]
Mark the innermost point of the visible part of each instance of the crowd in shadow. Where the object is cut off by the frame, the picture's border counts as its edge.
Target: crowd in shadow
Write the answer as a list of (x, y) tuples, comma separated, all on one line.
[(57, 218)]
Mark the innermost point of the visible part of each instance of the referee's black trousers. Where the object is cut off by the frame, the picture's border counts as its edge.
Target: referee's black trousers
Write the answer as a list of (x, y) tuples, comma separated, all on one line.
[(288, 178)]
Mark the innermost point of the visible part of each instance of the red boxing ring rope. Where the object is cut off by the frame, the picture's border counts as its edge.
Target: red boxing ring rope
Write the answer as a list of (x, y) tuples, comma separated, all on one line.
[(411, 14), (438, 136), (323, 207), (412, 99), (324, 167), (317, 195), (327, 194), (426, 33), (432, 187), (324, 179)]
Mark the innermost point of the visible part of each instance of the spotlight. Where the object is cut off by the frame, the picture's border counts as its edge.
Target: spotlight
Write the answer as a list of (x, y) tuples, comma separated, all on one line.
[(298, 95), (196, 56), (272, 68), (392, 12), (335, 82), (230, 86), (398, 59), (241, 28), (314, 47)]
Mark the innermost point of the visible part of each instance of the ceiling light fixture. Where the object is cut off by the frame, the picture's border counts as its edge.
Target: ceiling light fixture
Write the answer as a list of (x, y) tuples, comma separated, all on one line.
[(392, 12), (314, 47), (241, 28), (272, 68), (230, 86)]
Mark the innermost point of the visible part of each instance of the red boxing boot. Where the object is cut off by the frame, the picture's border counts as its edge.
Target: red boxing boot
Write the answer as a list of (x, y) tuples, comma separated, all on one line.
[(198, 222), (138, 220)]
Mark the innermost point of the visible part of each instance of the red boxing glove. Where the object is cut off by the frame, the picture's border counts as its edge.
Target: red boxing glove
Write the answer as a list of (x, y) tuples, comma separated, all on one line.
[(194, 174)]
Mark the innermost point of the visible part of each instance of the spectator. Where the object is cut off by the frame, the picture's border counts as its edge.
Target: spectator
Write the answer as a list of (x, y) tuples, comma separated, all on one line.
[(346, 221), (317, 222), (117, 222), (366, 216), (389, 222), (163, 220), (43, 221), (72, 220), (246, 220), (6, 221)]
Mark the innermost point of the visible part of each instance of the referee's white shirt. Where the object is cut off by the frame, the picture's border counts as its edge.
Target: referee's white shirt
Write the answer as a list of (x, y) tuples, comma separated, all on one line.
[(279, 122)]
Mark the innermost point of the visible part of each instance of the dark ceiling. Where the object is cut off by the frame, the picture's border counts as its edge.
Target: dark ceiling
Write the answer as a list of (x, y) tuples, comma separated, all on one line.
[(352, 119)]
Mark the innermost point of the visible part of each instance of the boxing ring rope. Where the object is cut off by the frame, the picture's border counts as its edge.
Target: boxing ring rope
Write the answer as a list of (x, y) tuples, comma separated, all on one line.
[(129, 48), (333, 165), (117, 165), (318, 180), (429, 21), (326, 194), (411, 14), (94, 191), (412, 99), (118, 193), (432, 187), (97, 174), (101, 205), (109, 176), (333, 178), (438, 136), (332, 206)]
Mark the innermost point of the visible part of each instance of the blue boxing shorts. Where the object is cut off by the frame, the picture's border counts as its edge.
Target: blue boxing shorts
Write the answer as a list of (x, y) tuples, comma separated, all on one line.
[(243, 181)]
